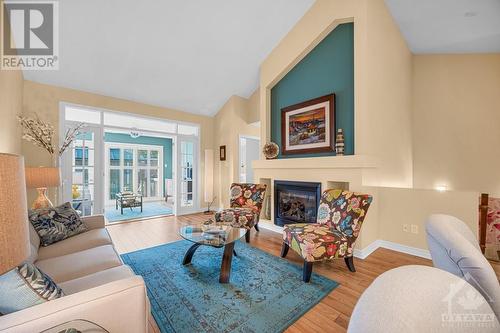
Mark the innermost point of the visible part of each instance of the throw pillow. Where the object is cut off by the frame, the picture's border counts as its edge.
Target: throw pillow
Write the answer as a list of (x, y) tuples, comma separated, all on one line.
[(26, 286), (56, 223)]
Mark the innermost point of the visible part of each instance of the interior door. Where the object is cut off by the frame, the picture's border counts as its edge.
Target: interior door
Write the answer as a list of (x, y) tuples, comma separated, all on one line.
[(82, 173), (249, 151), (187, 176)]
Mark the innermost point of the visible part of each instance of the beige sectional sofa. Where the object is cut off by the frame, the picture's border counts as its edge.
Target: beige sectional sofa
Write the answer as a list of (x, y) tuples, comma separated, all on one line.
[(98, 286)]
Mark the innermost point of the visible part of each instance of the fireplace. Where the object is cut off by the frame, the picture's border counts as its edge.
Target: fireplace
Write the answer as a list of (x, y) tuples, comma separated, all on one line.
[(295, 202)]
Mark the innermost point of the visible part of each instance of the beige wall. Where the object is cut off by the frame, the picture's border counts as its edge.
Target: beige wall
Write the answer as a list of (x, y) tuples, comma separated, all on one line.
[(456, 121), (253, 112), (229, 123), (398, 206), (11, 102), (382, 77), (44, 100)]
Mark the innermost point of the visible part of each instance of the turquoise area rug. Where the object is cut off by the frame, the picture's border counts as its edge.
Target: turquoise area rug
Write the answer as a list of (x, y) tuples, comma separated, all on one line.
[(265, 294), (149, 209)]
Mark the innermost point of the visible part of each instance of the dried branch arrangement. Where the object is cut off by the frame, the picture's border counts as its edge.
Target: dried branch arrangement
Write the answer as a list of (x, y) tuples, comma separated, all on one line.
[(41, 134)]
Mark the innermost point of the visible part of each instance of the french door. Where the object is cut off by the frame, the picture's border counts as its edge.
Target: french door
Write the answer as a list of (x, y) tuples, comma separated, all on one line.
[(187, 176), (82, 172), (134, 168)]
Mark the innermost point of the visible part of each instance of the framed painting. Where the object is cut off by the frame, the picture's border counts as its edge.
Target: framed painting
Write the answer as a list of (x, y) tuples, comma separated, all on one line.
[(222, 153), (308, 127)]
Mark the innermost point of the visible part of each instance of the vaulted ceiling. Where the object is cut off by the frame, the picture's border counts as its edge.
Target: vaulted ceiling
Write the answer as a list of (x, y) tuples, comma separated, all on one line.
[(192, 55), (448, 26), (189, 55)]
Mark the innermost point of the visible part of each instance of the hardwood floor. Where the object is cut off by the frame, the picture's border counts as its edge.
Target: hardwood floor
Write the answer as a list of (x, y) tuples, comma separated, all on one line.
[(330, 315)]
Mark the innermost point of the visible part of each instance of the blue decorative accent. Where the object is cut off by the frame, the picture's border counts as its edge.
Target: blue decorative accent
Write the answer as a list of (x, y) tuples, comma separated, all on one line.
[(328, 68), (265, 293), (149, 209)]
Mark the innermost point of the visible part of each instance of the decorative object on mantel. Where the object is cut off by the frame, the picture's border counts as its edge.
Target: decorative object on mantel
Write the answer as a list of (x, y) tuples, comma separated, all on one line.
[(222, 153), (271, 150), (41, 134), (308, 127), (42, 178), (339, 143)]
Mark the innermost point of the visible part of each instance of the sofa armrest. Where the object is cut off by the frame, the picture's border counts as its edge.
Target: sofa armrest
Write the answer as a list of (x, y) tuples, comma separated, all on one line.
[(119, 306), (94, 221)]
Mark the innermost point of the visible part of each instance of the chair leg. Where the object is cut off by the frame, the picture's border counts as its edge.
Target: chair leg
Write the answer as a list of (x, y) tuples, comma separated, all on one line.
[(349, 261), (284, 249), (247, 236), (306, 274), (256, 227)]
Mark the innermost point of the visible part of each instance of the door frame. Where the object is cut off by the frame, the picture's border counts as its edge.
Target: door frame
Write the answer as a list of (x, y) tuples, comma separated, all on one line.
[(101, 127), (240, 137), (195, 208), (135, 167)]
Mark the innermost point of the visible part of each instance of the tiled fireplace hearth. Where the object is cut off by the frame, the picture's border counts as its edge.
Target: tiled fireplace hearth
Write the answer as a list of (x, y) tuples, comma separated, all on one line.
[(295, 202)]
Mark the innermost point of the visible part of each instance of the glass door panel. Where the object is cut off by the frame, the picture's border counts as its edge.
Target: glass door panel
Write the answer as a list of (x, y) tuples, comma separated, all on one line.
[(79, 174), (186, 189)]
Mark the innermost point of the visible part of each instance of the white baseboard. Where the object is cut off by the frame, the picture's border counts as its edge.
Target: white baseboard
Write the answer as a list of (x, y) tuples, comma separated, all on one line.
[(264, 224), (364, 253), (414, 251)]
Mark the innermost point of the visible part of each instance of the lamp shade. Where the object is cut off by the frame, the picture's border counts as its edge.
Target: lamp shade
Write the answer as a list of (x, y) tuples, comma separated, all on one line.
[(14, 234), (209, 175), (42, 177)]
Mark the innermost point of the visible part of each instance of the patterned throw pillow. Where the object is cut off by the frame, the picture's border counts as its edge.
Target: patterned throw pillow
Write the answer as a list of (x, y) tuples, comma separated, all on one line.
[(56, 223), (26, 286)]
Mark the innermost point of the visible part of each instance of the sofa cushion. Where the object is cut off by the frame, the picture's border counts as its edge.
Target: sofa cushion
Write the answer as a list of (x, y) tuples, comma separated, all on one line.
[(78, 264), (83, 241), (26, 286), (56, 223), (96, 279), (34, 238)]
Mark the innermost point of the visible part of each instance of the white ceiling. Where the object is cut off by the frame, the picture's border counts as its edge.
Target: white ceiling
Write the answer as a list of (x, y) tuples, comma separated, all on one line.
[(189, 55), (448, 26)]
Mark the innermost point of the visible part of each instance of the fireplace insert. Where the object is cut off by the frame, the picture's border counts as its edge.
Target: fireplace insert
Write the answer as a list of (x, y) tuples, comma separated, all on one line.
[(295, 202)]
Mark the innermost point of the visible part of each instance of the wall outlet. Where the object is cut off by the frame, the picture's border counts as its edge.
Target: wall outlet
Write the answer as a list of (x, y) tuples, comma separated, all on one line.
[(414, 229), (406, 228)]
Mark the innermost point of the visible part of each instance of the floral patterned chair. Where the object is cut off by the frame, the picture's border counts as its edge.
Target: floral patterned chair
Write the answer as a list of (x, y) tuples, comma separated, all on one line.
[(246, 204), (340, 216)]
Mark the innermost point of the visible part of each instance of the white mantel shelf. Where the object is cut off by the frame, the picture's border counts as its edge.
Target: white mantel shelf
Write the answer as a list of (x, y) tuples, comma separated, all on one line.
[(327, 162)]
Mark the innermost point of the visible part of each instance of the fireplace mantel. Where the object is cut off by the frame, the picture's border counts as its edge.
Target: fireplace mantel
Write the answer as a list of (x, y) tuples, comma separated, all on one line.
[(327, 162)]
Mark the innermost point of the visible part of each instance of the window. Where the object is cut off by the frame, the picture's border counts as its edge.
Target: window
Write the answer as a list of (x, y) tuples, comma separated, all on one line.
[(187, 129), (135, 168)]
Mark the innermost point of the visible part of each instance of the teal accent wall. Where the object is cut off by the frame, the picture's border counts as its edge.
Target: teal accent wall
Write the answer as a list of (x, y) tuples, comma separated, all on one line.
[(328, 68), (166, 143)]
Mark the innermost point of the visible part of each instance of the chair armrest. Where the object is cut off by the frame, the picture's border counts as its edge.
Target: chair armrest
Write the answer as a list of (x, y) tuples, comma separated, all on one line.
[(94, 221), (119, 306)]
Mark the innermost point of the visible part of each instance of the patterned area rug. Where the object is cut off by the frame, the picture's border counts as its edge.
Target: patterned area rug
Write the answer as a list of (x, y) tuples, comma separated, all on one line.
[(265, 294)]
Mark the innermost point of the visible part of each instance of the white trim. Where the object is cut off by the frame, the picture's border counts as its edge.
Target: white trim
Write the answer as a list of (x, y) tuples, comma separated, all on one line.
[(266, 224), (364, 253), (414, 251), (240, 157)]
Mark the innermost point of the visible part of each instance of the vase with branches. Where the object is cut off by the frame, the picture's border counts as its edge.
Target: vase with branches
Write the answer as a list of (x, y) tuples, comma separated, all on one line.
[(41, 134)]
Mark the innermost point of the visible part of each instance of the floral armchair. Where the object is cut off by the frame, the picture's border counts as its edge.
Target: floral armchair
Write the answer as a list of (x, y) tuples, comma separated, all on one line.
[(246, 204), (339, 220)]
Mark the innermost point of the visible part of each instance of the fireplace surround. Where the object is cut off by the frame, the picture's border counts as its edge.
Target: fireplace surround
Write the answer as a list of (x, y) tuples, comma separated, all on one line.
[(295, 202)]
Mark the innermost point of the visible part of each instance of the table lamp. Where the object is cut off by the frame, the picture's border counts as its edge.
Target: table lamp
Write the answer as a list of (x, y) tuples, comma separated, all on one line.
[(42, 178), (14, 234)]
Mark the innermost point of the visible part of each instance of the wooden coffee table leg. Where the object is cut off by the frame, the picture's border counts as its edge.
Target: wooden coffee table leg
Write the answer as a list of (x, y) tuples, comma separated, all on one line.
[(189, 254), (225, 270)]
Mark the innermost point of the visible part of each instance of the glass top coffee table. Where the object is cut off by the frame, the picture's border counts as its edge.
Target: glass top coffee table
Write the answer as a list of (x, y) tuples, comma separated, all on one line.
[(215, 235)]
